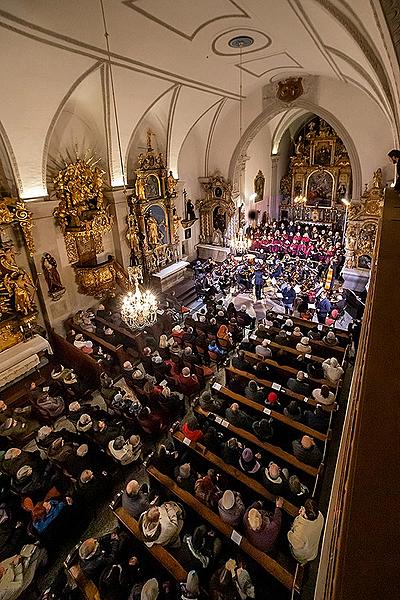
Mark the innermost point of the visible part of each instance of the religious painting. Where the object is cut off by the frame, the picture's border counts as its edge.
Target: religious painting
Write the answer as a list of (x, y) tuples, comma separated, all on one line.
[(319, 189), (322, 154), (152, 187), (156, 227)]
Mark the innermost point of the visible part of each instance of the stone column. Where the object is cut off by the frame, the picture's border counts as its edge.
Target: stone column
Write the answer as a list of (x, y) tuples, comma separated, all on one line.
[(274, 200)]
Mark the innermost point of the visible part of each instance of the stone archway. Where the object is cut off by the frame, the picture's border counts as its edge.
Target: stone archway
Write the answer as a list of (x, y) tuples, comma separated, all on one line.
[(273, 110)]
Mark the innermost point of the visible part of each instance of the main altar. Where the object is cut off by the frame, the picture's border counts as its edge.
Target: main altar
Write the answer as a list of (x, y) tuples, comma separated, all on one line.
[(217, 210), (153, 230), (318, 177)]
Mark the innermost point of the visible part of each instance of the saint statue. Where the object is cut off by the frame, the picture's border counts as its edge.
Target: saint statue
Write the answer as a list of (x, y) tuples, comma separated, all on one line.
[(171, 184), (54, 286), (176, 221), (21, 287), (259, 183), (190, 214), (153, 233), (377, 179)]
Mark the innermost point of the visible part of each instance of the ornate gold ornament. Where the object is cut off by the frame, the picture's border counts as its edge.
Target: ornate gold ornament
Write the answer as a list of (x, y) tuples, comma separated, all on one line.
[(82, 213), (290, 89), (13, 210), (318, 178), (153, 223), (97, 281), (216, 210), (363, 221)]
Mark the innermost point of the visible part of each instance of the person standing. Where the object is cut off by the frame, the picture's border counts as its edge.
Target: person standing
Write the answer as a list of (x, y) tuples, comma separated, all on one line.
[(394, 156), (258, 283)]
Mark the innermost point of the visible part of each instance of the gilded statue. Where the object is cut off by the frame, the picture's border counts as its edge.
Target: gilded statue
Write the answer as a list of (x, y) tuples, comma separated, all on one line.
[(176, 221), (153, 232), (21, 287), (139, 187), (377, 179), (5, 213), (171, 184)]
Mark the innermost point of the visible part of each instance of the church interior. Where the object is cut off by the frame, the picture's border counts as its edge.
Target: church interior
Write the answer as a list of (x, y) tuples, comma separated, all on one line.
[(199, 308)]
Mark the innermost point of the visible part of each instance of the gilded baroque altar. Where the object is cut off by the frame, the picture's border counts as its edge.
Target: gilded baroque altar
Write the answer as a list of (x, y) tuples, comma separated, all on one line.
[(318, 178), (362, 225), (153, 223), (216, 209)]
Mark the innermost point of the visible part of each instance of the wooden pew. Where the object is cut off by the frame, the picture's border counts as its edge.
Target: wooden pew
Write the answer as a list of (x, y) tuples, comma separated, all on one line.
[(133, 339), (160, 553), (252, 484), (270, 565), (117, 351), (272, 413), (287, 349), (292, 395), (275, 451), (318, 347), (85, 585), (286, 371), (83, 364), (305, 325)]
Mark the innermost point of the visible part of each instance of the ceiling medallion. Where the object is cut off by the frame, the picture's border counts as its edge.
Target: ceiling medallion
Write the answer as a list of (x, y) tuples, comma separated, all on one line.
[(241, 41)]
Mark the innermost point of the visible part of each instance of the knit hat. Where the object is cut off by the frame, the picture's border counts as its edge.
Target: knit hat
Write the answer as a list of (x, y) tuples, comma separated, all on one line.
[(24, 472), (248, 462), (255, 519), (272, 398), (228, 500)]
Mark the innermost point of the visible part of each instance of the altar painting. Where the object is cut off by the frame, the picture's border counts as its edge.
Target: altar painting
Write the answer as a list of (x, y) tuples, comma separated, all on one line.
[(320, 189), (156, 226)]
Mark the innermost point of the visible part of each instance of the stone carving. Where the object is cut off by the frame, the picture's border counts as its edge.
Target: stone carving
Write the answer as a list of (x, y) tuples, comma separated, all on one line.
[(290, 89)]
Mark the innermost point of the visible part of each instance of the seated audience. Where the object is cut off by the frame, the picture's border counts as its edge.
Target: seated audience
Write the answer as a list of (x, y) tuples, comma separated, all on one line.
[(275, 479), (330, 339), (185, 477), (263, 349), (332, 370), (293, 411), (191, 429), (231, 508), (323, 395), (17, 572), (135, 498), (307, 451), (261, 528), (305, 532), (237, 417), (248, 461), (162, 524), (304, 346), (263, 429), (298, 385)]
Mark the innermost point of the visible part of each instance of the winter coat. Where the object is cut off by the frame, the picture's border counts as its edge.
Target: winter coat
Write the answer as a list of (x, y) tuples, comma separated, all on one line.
[(264, 538), (316, 394), (169, 525), (299, 387), (17, 578), (135, 505), (310, 456), (304, 537), (333, 374)]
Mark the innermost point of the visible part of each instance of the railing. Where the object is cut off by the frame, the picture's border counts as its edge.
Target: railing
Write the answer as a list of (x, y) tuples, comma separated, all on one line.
[(344, 567)]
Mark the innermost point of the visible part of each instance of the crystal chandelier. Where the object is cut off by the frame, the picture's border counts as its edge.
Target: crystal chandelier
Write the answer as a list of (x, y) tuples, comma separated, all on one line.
[(239, 243), (138, 309)]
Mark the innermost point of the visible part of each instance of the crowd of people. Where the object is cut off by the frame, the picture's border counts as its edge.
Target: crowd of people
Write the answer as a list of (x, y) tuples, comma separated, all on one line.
[(83, 448)]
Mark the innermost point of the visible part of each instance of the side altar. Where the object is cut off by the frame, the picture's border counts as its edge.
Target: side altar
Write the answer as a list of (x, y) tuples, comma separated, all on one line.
[(153, 224), (217, 211)]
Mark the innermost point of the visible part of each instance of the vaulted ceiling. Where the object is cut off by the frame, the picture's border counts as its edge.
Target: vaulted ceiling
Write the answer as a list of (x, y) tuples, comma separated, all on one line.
[(173, 69)]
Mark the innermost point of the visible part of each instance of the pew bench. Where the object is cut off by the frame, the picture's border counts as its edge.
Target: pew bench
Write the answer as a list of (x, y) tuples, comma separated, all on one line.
[(252, 484), (287, 349), (161, 554), (318, 346), (224, 391), (275, 451), (271, 566), (291, 395), (305, 325)]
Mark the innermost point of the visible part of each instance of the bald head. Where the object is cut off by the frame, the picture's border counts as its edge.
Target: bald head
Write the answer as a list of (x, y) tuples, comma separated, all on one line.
[(132, 487)]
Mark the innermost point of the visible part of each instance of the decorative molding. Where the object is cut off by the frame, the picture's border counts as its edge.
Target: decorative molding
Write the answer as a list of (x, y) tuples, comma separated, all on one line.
[(11, 159), (170, 122), (231, 51), (294, 64), (211, 134), (97, 53), (132, 5)]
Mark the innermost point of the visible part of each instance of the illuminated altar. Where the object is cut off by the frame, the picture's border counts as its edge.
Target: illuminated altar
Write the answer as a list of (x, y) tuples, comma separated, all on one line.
[(318, 178), (216, 211), (153, 224)]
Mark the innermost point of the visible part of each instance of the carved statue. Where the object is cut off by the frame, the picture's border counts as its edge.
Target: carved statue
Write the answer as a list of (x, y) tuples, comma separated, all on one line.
[(190, 214), (259, 183), (139, 187), (171, 185), (21, 287), (153, 232), (52, 276), (176, 221), (377, 179)]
